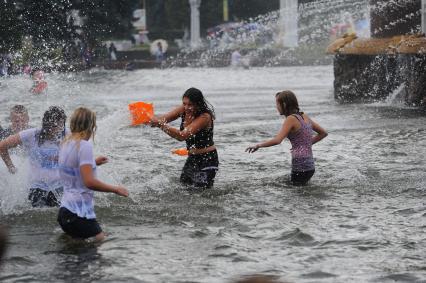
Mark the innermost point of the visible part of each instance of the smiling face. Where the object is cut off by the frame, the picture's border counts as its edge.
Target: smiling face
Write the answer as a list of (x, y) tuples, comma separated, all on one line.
[(188, 106)]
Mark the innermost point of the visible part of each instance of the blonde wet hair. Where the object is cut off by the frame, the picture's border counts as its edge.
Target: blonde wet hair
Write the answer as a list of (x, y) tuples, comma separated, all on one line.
[(288, 102), (82, 124)]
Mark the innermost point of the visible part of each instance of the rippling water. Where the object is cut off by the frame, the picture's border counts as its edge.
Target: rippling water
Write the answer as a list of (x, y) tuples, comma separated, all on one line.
[(361, 219)]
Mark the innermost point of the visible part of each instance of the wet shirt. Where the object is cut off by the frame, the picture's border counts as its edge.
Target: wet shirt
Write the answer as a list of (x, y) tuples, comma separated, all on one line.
[(301, 152), (77, 198), (202, 139), (43, 159)]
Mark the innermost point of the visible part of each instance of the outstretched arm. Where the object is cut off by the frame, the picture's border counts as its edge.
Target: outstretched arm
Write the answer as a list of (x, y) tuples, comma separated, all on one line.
[(10, 142), (321, 133), (168, 117), (199, 123), (288, 124), (92, 183)]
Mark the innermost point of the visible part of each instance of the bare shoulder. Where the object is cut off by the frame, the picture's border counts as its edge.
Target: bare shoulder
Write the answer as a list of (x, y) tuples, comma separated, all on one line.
[(206, 115), (290, 119), (206, 119), (306, 118)]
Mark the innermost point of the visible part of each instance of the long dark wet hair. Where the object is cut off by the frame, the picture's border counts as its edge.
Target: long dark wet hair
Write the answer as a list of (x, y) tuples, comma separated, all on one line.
[(197, 98), (288, 101), (51, 118)]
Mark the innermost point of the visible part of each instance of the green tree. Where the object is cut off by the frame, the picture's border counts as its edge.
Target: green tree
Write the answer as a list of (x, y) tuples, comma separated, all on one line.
[(106, 19), (11, 27), (245, 9), (211, 13), (177, 14), (168, 18), (46, 22)]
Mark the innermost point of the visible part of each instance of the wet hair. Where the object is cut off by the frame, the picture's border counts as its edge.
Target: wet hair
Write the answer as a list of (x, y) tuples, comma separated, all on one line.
[(83, 122), (288, 101), (202, 105), (50, 121), (19, 109)]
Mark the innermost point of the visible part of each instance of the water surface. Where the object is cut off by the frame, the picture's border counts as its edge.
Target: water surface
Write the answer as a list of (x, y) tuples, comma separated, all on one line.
[(361, 218)]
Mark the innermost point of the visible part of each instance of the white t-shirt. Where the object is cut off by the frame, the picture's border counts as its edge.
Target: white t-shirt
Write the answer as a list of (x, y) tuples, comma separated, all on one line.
[(77, 197), (43, 159)]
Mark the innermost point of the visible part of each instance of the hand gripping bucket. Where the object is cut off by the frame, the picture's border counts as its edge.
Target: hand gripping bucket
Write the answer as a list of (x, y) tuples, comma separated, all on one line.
[(141, 112)]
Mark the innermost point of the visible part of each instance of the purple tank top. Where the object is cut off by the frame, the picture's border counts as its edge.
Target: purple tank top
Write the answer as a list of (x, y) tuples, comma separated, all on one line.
[(301, 152)]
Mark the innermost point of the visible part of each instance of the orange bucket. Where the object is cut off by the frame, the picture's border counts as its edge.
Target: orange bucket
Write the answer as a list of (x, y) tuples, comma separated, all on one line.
[(141, 112), (180, 151)]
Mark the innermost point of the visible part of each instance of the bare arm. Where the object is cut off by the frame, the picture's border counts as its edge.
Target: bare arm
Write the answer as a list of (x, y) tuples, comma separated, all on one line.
[(201, 122), (287, 126), (94, 184), (5, 145), (170, 116), (321, 133)]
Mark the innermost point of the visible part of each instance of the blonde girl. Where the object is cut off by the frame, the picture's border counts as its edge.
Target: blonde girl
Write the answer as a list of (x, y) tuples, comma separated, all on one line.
[(78, 174)]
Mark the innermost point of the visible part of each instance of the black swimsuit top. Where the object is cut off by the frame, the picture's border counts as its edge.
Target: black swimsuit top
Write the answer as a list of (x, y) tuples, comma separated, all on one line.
[(202, 139)]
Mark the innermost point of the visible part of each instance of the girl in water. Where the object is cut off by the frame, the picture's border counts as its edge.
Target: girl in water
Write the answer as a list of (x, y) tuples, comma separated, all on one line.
[(42, 146), (39, 84), (78, 175), (196, 129), (297, 128)]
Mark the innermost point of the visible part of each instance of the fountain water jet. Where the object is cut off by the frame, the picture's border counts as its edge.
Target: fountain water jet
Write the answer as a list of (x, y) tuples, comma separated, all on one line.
[(370, 69)]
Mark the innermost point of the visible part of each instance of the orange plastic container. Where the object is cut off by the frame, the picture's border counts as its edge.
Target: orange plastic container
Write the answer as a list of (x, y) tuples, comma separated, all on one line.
[(180, 151), (141, 112)]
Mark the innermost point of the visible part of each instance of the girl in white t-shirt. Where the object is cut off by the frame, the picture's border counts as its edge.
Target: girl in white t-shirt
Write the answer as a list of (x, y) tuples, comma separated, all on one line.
[(78, 175), (42, 148)]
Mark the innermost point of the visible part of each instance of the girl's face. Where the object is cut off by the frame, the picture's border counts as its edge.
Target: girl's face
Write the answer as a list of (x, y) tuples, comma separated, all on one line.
[(188, 106), (19, 121), (279, 107), (59, 127)]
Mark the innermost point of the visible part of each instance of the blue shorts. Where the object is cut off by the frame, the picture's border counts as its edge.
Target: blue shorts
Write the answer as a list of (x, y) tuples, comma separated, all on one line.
[(77, 227)]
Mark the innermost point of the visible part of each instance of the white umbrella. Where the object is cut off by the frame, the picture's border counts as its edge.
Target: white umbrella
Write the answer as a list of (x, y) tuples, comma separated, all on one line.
[(154, 46)]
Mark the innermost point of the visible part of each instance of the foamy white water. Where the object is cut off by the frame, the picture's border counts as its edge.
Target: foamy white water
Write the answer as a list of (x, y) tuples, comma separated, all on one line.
[(360, 219)]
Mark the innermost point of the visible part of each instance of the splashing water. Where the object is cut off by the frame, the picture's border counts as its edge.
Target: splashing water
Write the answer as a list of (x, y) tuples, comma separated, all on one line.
[(369, 180), (259, 38)]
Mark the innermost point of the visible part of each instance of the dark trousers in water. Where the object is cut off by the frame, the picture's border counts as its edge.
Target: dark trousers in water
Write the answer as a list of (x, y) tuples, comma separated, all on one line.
[(42, 198), (200, 170), (77, 227), (301, 178)]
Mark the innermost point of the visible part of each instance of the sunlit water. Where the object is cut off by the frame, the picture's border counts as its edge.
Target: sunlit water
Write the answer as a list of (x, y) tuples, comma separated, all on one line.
[(361, 219)]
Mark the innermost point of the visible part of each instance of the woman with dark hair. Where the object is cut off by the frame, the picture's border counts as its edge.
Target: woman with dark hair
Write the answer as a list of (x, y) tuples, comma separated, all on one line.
[(298, 128), (196, 129), (42, 146)]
